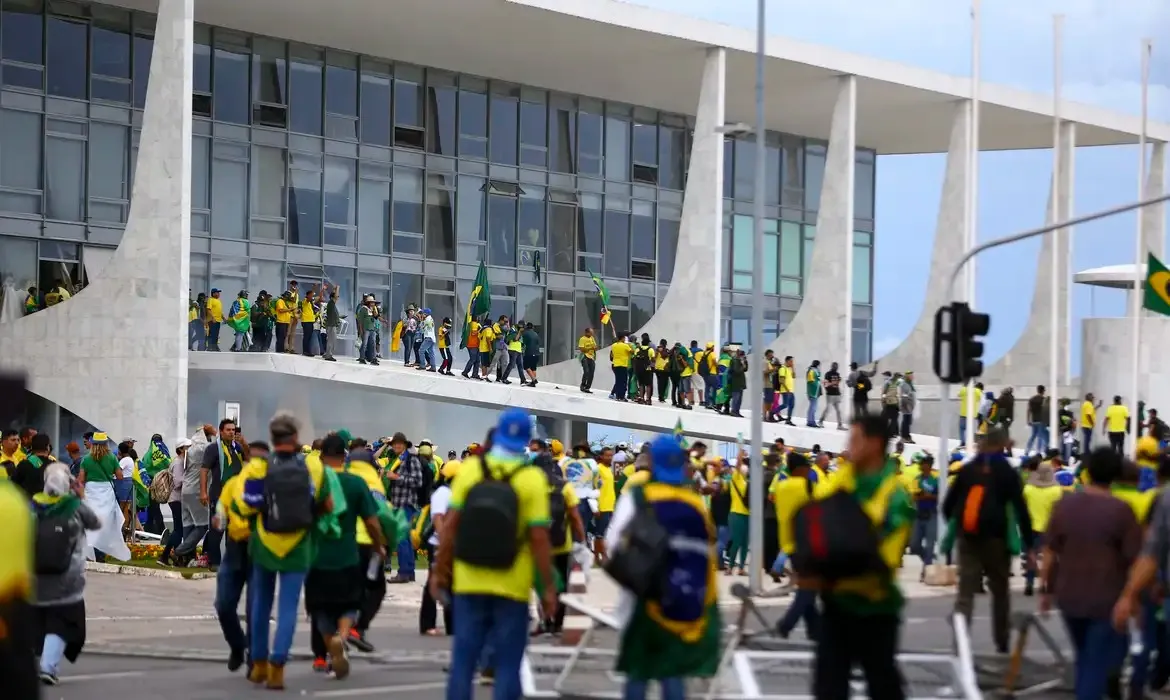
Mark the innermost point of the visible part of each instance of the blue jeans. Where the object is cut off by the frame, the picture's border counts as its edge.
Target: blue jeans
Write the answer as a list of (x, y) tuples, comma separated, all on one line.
[(407, 346), (787, 402), (1141, 662), (812, 410), (196, 335), (1037, 545), (213, 335), (262, 591), (923, 537), (241, 341), (621, 382), (710, 388), (369, 351), (778, 564), (962, 430), (803, 607), (1039, 436), (1099, 649), (736, 401), (1086, 440), (485, 621), (671, 689), (427, 354), (405, 550), (52, 652), (722, 539), (229, 588), (472, 367)]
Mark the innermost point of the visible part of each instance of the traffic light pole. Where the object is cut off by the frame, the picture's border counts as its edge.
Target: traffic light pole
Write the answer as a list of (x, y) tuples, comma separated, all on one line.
[(945, 418)]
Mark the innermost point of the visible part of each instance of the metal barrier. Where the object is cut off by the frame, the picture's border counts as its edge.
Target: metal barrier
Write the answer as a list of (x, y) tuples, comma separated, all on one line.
[(771, 670), (1020, 676)]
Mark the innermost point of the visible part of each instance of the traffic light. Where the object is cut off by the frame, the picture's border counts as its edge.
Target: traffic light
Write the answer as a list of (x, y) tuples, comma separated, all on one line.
[(958, 342)]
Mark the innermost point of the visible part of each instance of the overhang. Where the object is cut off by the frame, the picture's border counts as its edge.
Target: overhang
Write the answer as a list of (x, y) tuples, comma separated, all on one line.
[(641, 56), (1110, 276)]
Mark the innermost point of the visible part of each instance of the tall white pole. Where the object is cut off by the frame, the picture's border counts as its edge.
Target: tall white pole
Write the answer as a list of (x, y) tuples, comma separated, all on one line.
[(973, 195), (1055, 268), (1140, 247), (755, 376)]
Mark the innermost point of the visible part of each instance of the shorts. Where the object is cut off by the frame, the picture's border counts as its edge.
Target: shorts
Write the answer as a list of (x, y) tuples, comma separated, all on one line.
[(531, 362), (646, 378), (601, 524), (124, 490), (769, 396), (684, 384)]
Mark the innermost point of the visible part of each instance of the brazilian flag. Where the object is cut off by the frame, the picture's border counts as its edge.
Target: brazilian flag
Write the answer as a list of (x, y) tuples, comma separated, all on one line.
[(479, 304), (1157, 297)]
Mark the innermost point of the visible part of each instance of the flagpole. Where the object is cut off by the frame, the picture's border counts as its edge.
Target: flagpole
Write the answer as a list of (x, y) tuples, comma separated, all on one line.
[(755, 376), (1140, 248), (1056, 271), (973, 194)]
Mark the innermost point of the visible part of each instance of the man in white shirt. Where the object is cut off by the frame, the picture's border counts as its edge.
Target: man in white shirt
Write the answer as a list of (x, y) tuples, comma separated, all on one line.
[(440, 503)]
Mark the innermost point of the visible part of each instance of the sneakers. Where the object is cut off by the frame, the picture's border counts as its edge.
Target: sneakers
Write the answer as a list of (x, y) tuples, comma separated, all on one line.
[(339, 657), (49, 678), (359, 641), (320, 665), (259, 672)]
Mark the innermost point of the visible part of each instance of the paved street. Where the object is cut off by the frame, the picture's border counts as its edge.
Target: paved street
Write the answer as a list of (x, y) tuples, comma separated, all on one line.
[(152, 637)]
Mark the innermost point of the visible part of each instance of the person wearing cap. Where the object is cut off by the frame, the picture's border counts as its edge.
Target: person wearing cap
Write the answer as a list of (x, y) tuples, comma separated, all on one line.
[(240, 320), (175, 500), (308, 317), (332, 323), (515, 349), (923, 486), (404, 478), (99, 470), (490, 603), (214, 320), (669, 643), (284, 308), (1041, 493), (443, 341), (426, 331)]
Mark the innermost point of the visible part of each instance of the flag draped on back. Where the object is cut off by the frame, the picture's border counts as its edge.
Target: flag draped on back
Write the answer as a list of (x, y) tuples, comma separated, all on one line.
[(478, 304), (1157, 294), (678, 433), (603, 295)]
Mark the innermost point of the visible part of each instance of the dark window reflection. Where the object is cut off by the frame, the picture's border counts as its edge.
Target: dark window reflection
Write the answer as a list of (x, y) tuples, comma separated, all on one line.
[(472, 124), (441, 120), (728, 167), (589, 143), (269, 72), (304, 207), (440, 224), (22, 35), (641, 309), (472, 226), (66, 64), (814, 173), (231, 101), (562, 140), (667, 247), (504, 122), (745, 169), (617, 244), (111, 52), (562, 240), (772, 174), (501, 230), (143, 49), (646, 144), (341, 90), (202, 70), (532, 221), (589, 231), (642, 235), (863, 185), (375, 116), (305, 98), (408, 201), (408, 107), (671, 157), (404, 289), (533, 136)]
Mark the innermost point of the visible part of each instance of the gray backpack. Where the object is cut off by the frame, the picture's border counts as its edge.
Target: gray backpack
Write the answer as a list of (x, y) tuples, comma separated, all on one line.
[(288, 495)]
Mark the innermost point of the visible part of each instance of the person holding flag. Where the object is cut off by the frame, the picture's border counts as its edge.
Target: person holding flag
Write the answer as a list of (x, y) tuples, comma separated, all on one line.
[(240, 320), (479, 304), (603, 296)]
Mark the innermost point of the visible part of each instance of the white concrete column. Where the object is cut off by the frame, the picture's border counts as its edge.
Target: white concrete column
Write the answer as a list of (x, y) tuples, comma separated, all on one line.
[(1154, 218), (915, 351), (823, 326)]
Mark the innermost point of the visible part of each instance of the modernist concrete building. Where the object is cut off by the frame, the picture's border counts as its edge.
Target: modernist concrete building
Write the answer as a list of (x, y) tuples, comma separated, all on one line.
[(152, 146)]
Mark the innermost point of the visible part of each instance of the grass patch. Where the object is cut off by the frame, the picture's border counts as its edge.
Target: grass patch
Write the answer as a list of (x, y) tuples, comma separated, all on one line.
[(185, 572)]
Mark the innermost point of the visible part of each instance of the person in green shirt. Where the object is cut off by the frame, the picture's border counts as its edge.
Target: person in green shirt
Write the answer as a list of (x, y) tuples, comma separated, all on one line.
[(335, 587), (813, 389), (530, 342)]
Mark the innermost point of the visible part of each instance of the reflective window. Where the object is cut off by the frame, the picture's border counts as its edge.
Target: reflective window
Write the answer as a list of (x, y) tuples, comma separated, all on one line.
[(472, 124), (340, 197), (531, 219), (229, 274), (587, 312), (793, 171), (641, 311), (229, 189), (20, 150), (642, 226), (269, 71), (375, 94), (728, 167), (305, 91), (771, 256), (668, 226), (862, 262), (745, 169), (530, 308), (200, 172), (408, 103), (202, 59), (267, 275), (560, 334), (341, 278), (672, 144), (64, 178), (341, 96), (562, 138), (269, 172), (646, 144), (143, 50), (772, 170), (109, 148), (405, 289), (814, 174), (863, 184), (110, 61), (408, 201), (501, 230), (470, 224), (440, 243), (373, 216), (23, 30), (231, 102), (533, 134), (18, 261), (562, 220), (199, 273), (617, 149), (304, 198), (589, 146), (504, 124), (790, 255), (66, 58), (441, 101), (589, 226), (617, 244), (741, 252)]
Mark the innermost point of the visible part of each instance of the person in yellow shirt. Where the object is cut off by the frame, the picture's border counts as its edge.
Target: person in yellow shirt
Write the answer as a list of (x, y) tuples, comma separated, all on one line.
[(620, 353), (214, 320), (284, 320), (606, 498), (294, 293), (1041, 493), (1117, 424), (562, 555), (587, 351), (490, 595), (17, 638), (923, 490), (487, 338), (309, 323), (739, 518), (786, 380), (963, 415), (788, 496), (444, 341), (662, 369), (1088, 422)]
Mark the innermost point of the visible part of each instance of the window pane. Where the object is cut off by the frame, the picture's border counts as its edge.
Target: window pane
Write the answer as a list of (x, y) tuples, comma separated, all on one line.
[(472, 124), (501, 231), (305, 97), (641, 310), (269, 71), (863, 186), (646, 144), (440, 224), (671, 157), (745, 169), (810, 233), (64, 178), (202, 58), (408, 200), (231, 86), (143, 49), (617, 244), (23, 32), (533, 133), (269, 168), (375, 117), (861, 274), (304, 204), (790, 255), (441, 119), (589, 129), (405, 289), (373, 216), (66, 64), (642, 243), (862, 350), (266, 275), (530, 308), (814, 174), (200, 172), (341, 96), (617, 149), (771, 263), (562, 138), (667, 248), (589, 228), (471, 225), (793, 175), (560, 334), (532, 222), (229, 188), (772, 174), (587, 312), (340, 183), (562, 241), (741, 244), (728, 167), (108, 151), (111, 52), (408, 104), (20, 149), (503, 143), (18, 260)]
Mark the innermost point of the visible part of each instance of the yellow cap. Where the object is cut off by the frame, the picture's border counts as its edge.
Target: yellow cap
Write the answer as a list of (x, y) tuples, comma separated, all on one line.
[(100, 437), (556, 447)]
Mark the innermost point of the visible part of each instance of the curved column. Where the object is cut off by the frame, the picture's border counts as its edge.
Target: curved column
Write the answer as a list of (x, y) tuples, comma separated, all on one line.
[(693, 287), (1027, 363), (1154, 217), (823, 326), (916, 351), (116, 353)]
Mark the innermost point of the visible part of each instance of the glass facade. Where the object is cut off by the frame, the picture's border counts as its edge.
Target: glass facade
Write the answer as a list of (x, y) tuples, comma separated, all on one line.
[(315, 164)]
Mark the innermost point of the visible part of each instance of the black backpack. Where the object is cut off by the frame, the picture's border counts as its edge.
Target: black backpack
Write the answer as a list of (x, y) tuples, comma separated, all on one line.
[(54, 548), (702, 362), (862, 384), (836, 539), (641, 360), (489, 522), (640, 559), (288, 495), (558, 511), (428, 481)]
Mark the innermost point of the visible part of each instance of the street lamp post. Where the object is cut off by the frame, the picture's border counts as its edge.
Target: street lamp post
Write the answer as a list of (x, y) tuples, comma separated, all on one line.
[(755, 365)]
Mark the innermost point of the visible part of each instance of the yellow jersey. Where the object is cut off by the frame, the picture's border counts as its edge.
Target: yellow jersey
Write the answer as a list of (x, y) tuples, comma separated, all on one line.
[(1041, 500), (606, 495), (283, 311), (621, 352), (587, 346), (1116, 417), (1088, 415), (215, 310), (571, 503), (788, 495), (308, 312), (739, 491), (784, 377)]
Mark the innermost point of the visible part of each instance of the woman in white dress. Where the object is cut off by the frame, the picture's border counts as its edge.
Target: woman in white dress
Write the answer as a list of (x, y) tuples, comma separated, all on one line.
[(99, 469)]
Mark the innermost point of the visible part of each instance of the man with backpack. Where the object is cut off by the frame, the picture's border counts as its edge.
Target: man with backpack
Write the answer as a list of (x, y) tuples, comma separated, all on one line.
[(862, 383), (644, 369), (987, 510), (890, 402), (282, 496), (495, 543), (565, 528)]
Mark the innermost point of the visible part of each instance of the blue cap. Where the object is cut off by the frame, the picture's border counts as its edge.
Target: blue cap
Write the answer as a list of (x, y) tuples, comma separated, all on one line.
[(513, 431), (668, 460), (427, 312)]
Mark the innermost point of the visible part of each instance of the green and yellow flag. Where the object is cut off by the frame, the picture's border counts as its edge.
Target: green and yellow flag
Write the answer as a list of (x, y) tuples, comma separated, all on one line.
[(478, 304), (1157, 298), (678, 435), (603, 295)]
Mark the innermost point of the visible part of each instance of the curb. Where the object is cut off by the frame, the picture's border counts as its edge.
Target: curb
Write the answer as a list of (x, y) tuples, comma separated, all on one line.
[(130, 570), (220, 656)]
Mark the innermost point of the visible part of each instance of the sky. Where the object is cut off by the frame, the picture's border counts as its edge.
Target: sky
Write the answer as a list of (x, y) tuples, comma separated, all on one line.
[(1101, 65)]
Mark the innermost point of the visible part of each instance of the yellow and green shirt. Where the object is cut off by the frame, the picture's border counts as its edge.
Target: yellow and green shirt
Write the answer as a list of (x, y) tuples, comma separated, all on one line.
[(277, 551)]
